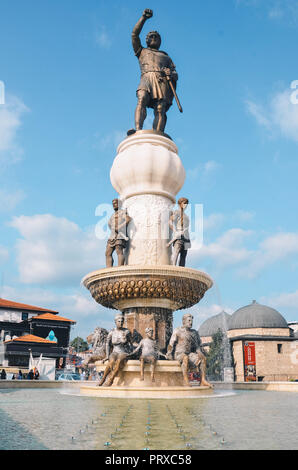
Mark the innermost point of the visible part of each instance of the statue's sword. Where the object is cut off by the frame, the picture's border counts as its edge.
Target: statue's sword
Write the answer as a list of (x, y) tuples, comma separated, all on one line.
[(174, 93)]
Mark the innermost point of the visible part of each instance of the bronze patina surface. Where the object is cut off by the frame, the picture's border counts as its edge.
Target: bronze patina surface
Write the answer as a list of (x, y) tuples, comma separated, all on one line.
[(157, 86), (178, 287)]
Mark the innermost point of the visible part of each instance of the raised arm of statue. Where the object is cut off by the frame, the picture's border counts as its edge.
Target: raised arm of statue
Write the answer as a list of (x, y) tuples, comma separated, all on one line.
[(136, 42)]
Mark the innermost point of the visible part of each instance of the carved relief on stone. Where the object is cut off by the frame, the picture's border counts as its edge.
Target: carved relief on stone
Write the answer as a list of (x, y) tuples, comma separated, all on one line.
[(185, 292), (148, 231)]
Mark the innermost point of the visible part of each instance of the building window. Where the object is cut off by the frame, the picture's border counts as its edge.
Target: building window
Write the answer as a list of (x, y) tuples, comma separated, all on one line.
[(24, 316), (279, 348)]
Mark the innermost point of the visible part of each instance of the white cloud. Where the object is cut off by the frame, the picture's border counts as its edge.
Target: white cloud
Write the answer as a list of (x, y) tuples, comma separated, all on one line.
[(55, 250), (276, 248), (285, 114), (228, 249), (10, 122), (9, 200), (244, 216), (207, 311), (213, 221), (102, 39), (211, 166), (3, 254), (259, 114), (280, 115), (112, 139), (275, 10), (204, 170), (283, 300)]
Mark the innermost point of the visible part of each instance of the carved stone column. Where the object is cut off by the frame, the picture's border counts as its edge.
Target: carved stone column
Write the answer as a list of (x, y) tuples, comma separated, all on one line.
[(137, 319), (148, 173)]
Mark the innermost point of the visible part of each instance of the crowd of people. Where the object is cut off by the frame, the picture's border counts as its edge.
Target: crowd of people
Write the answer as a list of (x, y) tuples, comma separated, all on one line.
[(33, 374)]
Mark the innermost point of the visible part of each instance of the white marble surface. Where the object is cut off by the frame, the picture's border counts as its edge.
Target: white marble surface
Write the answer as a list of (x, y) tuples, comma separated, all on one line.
[(147, 173)]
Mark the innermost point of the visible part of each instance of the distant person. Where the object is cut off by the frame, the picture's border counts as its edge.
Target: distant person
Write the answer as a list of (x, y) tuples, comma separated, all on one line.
[(3, 374), (36, 374), (13, 377), (30, 375), (20, 375)]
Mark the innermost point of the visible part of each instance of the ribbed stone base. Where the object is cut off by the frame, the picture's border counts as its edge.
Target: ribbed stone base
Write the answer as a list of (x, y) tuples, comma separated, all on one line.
[(146, 392)]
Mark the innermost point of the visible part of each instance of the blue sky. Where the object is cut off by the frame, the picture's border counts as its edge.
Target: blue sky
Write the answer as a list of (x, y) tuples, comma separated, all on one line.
[(70, 77)]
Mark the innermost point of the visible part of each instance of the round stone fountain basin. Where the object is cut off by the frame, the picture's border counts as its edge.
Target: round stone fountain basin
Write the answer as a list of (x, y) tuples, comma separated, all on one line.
[(128, 384), (165, 286)]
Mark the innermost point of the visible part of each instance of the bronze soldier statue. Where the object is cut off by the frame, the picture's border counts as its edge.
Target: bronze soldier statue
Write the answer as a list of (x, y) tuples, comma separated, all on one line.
[(158, 77), (186, 345), (118, 238), (179, 224), (118, 348)]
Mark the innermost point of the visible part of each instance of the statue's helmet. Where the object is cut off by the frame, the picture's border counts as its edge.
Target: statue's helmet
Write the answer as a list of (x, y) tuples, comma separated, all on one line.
[(153, 35)]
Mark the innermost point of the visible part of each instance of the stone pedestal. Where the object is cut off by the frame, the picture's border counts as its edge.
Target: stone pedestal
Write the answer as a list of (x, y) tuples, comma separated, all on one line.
[(148, 173), (137, 319)]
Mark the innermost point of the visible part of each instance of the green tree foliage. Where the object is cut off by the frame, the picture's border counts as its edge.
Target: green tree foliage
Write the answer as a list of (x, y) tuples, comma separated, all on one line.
[(79, 344), (215, 357)]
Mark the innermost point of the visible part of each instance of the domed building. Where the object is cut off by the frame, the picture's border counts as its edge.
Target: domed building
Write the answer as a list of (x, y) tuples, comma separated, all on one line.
[(262, 343), (212, 325)]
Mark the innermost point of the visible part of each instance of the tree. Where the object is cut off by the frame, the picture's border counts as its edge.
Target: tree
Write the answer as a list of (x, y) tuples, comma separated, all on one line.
[(79, 344), (215, 357)]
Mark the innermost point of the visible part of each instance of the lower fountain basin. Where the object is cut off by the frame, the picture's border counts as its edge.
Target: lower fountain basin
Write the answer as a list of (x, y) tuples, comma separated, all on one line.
[(128, 384)]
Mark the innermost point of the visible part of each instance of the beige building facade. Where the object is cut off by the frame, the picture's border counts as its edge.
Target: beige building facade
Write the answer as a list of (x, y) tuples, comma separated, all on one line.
[(263, 346)]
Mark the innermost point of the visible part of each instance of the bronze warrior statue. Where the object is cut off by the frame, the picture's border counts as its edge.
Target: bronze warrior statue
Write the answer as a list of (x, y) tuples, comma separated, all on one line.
[(118, 348), (179, 224), (186, 345), (158, 77), (118, 238)]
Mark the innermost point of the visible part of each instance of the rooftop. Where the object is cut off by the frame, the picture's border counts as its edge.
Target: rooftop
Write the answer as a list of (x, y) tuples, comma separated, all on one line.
[(31, 339), (256, 315), (19, 306), (50, 316), (215, 323)]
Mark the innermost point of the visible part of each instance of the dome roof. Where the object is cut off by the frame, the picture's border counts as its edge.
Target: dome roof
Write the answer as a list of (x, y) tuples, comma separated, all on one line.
[(215, 323), (256, 315)]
